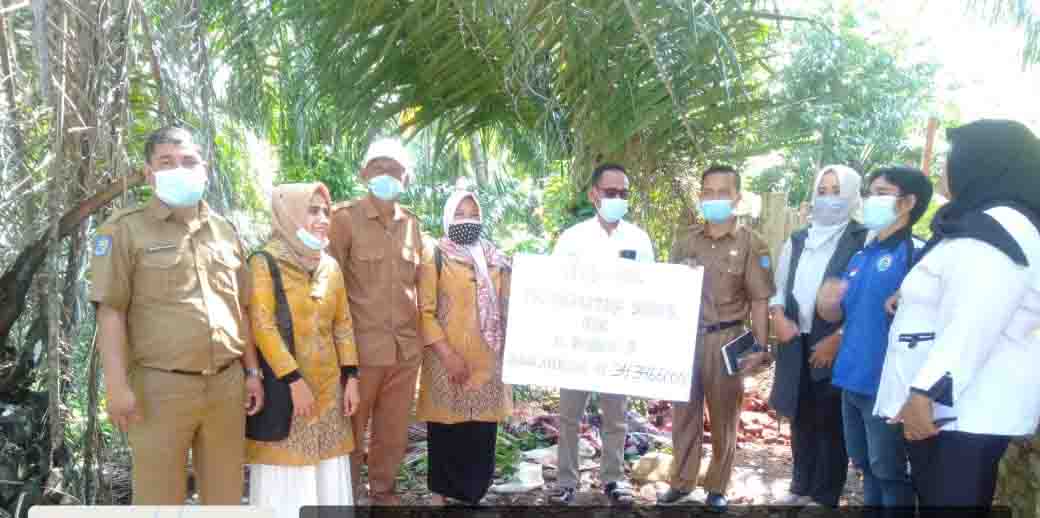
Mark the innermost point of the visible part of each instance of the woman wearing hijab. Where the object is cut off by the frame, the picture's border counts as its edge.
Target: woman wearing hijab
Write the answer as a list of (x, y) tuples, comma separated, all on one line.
[(462, 397), (963, 350), (311, 466), (896, 199), (802, 390)]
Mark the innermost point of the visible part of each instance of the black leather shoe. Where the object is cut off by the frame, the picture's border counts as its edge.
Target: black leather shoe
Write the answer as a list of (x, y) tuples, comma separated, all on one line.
[(671, 496), (716, 503), (563, 496)]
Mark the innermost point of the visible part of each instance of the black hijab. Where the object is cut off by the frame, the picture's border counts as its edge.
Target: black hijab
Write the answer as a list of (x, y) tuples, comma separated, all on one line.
[(991, 163)]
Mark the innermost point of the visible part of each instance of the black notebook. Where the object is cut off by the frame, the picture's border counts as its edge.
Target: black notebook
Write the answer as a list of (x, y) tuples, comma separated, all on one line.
[(740, 347)]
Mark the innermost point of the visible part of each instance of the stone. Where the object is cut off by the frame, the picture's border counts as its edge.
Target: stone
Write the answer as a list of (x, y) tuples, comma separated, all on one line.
[(652, 467), (528, 477)]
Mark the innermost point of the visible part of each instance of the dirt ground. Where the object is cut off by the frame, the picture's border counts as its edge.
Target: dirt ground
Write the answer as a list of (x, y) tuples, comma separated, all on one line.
[(761, 473)]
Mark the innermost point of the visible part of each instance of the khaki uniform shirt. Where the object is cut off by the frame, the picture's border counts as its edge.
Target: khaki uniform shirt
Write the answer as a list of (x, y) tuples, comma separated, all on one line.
[(380, 263), (182, 287), (737, 270)]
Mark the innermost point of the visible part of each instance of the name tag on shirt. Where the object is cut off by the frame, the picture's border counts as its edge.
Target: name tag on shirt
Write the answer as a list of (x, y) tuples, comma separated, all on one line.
[(161, 247)]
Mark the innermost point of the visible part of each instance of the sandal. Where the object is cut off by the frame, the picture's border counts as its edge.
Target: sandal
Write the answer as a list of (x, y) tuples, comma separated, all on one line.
[(620, 493)]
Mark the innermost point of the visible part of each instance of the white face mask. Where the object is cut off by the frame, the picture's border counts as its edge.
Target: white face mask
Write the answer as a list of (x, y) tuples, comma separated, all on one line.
[(310, 240), (830, 210), (879, 212), (181, 187)]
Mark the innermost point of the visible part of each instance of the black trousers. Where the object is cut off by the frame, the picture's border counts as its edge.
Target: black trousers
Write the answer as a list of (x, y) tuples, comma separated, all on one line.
[(956, 469), (461, 459), (818, 442)]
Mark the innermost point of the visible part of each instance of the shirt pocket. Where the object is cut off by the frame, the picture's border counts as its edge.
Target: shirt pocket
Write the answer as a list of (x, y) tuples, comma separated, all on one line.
[(223, 268), (408, 266), (159, 271), (367, 261), (732, 277)]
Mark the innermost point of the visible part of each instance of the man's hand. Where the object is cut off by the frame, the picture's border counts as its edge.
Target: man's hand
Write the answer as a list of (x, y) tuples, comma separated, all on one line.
[(254, 395), (786, 329), (302, 399), (453, 363), (122, 406), (752, 361), (916, 417), (825, 352), (351, 397)]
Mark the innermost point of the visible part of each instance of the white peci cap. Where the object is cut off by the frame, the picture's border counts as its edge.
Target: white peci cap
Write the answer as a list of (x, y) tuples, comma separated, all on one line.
[(389, 148)]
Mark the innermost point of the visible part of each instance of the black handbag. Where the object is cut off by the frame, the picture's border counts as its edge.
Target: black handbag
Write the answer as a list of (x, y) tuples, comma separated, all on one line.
[(273, 422)]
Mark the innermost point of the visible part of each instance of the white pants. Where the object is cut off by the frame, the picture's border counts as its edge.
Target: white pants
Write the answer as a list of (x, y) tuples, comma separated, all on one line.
[(287, 488)]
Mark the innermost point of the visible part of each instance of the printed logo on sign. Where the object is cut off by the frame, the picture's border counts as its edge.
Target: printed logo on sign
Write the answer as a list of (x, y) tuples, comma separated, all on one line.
[(102, 245), (764, 261), (884, 263)]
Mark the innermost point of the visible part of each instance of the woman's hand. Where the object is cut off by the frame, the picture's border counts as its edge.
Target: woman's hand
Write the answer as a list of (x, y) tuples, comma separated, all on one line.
[(786, 330), (302, 399), (916, 417), (825, 352), (453, 363), (831, 293), (892, 304), (351, 397)]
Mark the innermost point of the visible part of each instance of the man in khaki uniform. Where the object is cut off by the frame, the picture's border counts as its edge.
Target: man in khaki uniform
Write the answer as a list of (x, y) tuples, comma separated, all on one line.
[(378, 244), (169, 282), (737, 285)]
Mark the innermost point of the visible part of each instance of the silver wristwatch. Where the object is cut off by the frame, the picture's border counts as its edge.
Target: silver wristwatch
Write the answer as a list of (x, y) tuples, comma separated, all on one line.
[(252, 372)]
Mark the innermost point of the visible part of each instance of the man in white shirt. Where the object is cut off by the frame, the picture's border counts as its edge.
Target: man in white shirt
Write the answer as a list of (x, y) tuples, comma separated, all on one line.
[(604, 236)]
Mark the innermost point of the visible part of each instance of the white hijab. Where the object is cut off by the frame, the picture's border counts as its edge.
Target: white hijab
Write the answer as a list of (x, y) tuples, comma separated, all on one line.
[(475, 248), (849, 182)]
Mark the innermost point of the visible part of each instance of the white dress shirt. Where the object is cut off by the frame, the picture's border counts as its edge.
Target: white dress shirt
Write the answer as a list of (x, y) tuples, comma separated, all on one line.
[(807, 278), (984, 311), (589, 239)]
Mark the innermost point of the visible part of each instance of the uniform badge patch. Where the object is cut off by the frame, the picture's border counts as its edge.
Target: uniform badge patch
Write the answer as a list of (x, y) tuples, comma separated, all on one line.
[(102, 246), (884, 263), (764, 261)]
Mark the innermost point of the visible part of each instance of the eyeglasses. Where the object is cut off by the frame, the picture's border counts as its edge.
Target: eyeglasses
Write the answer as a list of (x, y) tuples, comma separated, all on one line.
[(614, 193)]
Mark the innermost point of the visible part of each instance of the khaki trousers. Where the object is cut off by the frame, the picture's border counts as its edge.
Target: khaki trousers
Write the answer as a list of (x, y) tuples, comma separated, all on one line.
[(386, 400), (203, 414), (724, 395), (612, 410)]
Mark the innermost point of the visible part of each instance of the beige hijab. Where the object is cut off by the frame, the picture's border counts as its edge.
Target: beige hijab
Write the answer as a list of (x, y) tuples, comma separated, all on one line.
[(289, 203)]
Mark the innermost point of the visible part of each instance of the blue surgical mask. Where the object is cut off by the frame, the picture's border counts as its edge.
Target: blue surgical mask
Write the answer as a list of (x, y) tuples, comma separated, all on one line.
[(612, 209), (879, 212), (385, 187), (717, 211), (181, 187), (310, 240)]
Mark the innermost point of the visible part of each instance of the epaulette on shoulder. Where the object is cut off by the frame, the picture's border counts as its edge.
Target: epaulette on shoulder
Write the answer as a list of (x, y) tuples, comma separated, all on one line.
[(343, 205), (122, 213)]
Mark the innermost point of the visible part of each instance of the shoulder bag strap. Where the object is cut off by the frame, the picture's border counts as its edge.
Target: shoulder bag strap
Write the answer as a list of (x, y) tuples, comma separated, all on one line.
[(282, 314)]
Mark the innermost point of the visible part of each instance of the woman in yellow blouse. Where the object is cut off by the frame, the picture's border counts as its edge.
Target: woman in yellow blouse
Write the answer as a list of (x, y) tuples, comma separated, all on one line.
[(311, 466), (462, 397)]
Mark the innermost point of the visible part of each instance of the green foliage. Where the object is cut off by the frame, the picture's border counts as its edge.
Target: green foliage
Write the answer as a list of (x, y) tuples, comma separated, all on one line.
[(850, 101), (509, 449)]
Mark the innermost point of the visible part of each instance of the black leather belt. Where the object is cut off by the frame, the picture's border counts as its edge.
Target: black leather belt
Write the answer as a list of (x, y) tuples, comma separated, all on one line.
[(721, 326), (206, 372)]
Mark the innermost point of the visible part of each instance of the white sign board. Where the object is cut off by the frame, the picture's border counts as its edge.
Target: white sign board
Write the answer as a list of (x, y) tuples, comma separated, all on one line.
[(611, 326)]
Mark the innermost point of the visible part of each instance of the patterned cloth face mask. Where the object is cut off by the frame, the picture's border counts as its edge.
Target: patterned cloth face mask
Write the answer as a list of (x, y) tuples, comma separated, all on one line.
[(465, 232)]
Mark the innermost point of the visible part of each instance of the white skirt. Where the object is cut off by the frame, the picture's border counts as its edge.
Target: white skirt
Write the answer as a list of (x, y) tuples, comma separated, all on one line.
[(287, 488)]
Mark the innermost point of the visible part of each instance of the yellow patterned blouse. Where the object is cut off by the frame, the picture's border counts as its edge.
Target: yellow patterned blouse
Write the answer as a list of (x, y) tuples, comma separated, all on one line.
[(449, 312), (324, 341)]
